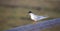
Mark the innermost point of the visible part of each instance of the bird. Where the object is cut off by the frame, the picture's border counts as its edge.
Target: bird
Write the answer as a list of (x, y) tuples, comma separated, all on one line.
[(35, 17)]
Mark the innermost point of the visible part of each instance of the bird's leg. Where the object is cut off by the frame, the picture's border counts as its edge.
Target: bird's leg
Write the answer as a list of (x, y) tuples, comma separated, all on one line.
[(34, 22)]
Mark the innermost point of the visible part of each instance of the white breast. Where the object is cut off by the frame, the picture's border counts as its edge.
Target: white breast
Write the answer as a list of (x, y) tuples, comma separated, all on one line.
[(33, 16)]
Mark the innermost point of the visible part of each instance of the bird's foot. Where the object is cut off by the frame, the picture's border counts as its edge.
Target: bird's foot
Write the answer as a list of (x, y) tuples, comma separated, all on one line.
[(34, 22)]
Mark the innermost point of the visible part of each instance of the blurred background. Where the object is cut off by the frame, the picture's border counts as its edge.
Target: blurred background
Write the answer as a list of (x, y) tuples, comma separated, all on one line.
[(13, 13)]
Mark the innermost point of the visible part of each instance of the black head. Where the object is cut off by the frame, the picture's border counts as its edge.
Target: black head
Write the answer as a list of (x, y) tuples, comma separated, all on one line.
[(30, 12)]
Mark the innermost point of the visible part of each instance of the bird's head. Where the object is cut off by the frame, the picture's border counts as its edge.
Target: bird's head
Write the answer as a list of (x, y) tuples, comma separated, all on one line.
[(30, 12)]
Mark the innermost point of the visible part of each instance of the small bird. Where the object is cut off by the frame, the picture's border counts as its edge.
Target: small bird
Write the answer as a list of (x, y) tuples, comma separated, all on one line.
[(36, 18)]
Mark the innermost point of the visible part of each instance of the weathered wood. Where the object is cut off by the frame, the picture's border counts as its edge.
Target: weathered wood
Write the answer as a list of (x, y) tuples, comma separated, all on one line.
[(39, 26)]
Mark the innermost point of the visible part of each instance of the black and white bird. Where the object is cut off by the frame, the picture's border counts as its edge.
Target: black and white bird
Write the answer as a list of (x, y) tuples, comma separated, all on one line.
[(36, 17)]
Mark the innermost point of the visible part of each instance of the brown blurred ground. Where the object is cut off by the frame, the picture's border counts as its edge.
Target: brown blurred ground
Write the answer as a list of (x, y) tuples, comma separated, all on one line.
[(16, 16)]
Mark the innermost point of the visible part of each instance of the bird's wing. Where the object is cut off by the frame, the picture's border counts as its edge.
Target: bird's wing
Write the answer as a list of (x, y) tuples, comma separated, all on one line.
[(40, 17)]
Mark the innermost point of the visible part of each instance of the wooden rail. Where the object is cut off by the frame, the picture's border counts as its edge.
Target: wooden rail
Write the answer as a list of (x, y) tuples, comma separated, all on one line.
[(39, 26)]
